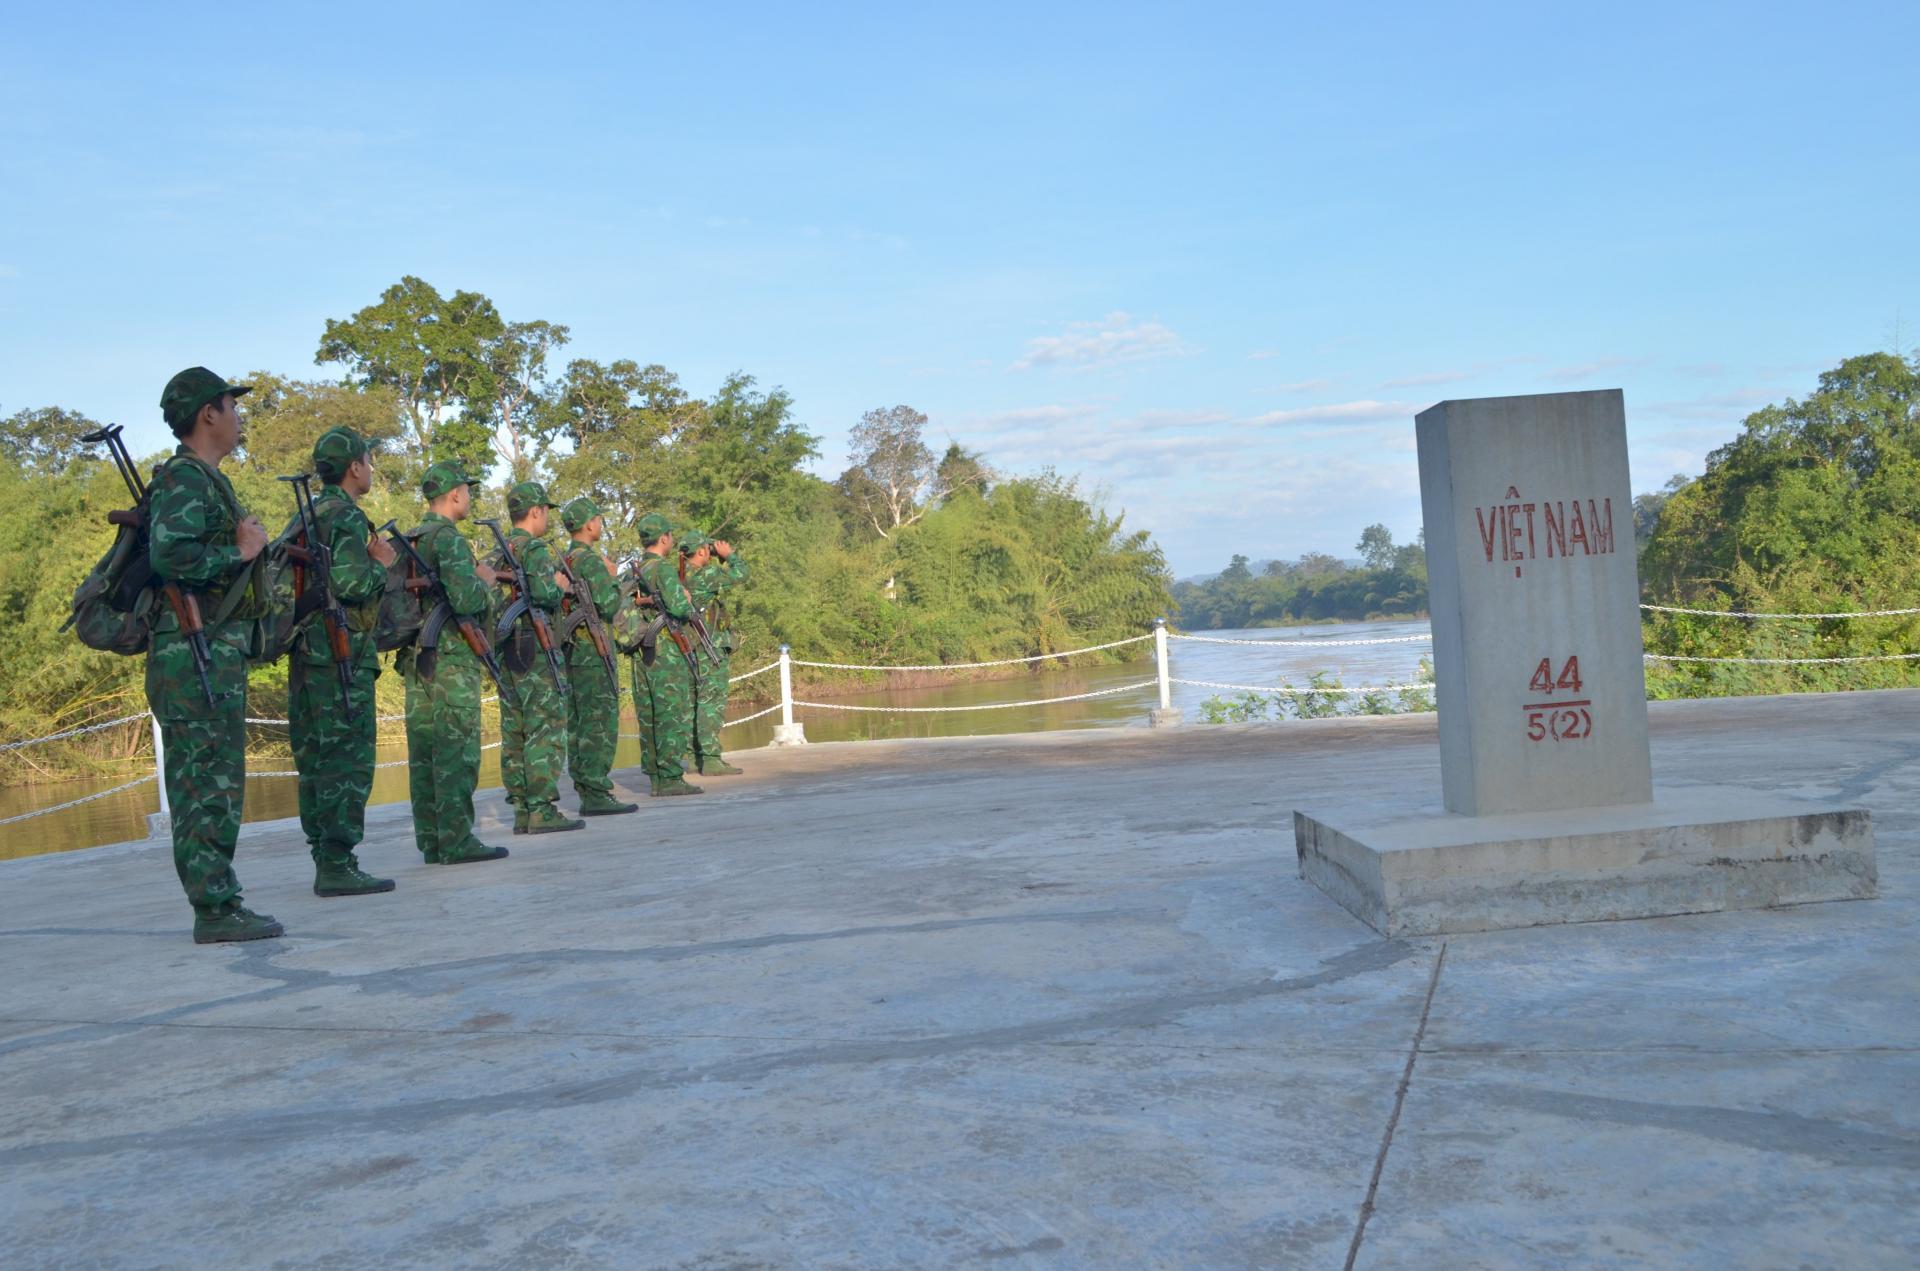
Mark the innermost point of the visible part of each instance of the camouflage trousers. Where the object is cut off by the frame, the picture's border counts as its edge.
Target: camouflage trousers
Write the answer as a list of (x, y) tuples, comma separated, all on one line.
[(710, 710), (206, 776), (593, 721), (334, 750), (533, 738), (443, 752), (206, 759), (663, 703)]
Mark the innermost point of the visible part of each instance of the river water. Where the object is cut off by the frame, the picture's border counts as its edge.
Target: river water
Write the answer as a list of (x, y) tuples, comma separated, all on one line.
[(1296, 655)]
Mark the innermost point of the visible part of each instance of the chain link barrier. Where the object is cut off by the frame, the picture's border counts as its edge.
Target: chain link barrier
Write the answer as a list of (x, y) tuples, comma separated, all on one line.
[(771, 666), (971, 666), (73, 732), (1865, 657), (1739, 613), (1300, 642), (984, 706), (1289, 643), (74, 803)]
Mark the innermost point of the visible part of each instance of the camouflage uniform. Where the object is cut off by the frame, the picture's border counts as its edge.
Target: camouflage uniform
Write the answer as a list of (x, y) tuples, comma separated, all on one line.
[(443, 708), (193, 520), (334, 747), (593, 708), (533, 719), (663, 692), (710, 710)]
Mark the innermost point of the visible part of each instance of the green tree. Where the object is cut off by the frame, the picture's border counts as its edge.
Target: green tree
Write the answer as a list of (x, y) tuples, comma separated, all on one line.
[(521, 406), (1376, 547), (1813, 508), (284, 417), (893, 478), (741, 456), (623, 421), (434, 351), (44, 441)]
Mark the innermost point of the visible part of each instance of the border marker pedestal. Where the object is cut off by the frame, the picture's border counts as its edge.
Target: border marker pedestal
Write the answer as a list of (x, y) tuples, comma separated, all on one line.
[(1548, 809)]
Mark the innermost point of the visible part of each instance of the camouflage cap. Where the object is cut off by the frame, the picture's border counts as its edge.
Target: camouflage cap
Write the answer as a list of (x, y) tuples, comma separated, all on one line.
[(651, 527), (444, 476), (690, 541), (579, 511), (525, 496), (336, 451), (191, 389)]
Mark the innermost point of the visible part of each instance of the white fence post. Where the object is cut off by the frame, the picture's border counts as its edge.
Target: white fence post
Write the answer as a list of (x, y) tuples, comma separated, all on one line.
[(786, 732), (160, 824), (1168, 714)]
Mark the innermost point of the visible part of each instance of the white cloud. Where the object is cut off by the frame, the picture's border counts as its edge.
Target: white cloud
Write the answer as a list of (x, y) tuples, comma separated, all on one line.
[(1430, 377), (1112, 341), (1365, 410), (1733, 406), (1587, 370), (1037, 416)]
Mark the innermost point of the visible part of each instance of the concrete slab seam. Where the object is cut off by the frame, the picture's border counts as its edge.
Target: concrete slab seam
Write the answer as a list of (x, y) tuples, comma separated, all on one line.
[(1393, 1118)]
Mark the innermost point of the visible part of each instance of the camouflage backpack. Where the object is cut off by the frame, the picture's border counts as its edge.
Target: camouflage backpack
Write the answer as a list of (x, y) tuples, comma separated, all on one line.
[(280, 629), (401, 612), (116, 604)]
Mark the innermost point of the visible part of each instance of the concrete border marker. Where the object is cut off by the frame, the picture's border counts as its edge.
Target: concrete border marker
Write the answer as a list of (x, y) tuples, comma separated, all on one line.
[(1549, 808)]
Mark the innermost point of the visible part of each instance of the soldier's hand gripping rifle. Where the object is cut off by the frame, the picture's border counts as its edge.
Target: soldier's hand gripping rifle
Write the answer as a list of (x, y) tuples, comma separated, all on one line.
[(523, 606), (596, 628), (185, 605), (311, 557), (433, 585)]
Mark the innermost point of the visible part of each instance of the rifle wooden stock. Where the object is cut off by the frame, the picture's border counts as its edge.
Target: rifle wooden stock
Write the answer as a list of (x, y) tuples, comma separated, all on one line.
[(186, 607), (475, 638)]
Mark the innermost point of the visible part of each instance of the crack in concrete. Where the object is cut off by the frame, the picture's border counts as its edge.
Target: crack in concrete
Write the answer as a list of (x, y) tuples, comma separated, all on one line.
[(409, 1118), (1393, 1119), (1829, 1141), (258, 960)]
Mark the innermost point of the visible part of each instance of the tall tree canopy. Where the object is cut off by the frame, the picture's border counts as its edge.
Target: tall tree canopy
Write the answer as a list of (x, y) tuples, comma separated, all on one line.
[(1813, 508)]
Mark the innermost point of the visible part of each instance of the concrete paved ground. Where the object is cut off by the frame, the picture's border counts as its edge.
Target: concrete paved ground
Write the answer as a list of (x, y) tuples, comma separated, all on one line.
[(1051, 1000)]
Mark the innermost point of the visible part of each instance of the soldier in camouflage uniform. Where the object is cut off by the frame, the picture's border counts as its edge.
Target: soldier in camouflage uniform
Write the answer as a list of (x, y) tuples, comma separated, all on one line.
[(712, 572), (663, 690), (533, 720), (201, 539), (593, 708), (334, 748), (443, 699)]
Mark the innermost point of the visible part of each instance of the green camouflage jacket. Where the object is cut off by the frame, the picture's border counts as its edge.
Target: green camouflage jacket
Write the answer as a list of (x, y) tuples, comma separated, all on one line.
[(590, 567), (193, 520), (707, 585), (659, 579), (536, 557), (442, 546), (358, 579)]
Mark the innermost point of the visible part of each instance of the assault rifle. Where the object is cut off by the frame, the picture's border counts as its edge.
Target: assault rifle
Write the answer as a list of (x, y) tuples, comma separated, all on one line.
[(596, 629), (185, 605), (312, 556), (429, 639), (523, 606), (698, 623)]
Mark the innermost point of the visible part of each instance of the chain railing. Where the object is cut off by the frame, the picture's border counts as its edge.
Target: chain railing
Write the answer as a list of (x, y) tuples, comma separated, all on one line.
[(789, 731)]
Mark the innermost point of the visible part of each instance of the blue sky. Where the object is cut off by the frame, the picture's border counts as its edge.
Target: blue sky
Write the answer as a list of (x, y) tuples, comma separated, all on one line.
[(1211, 258)]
